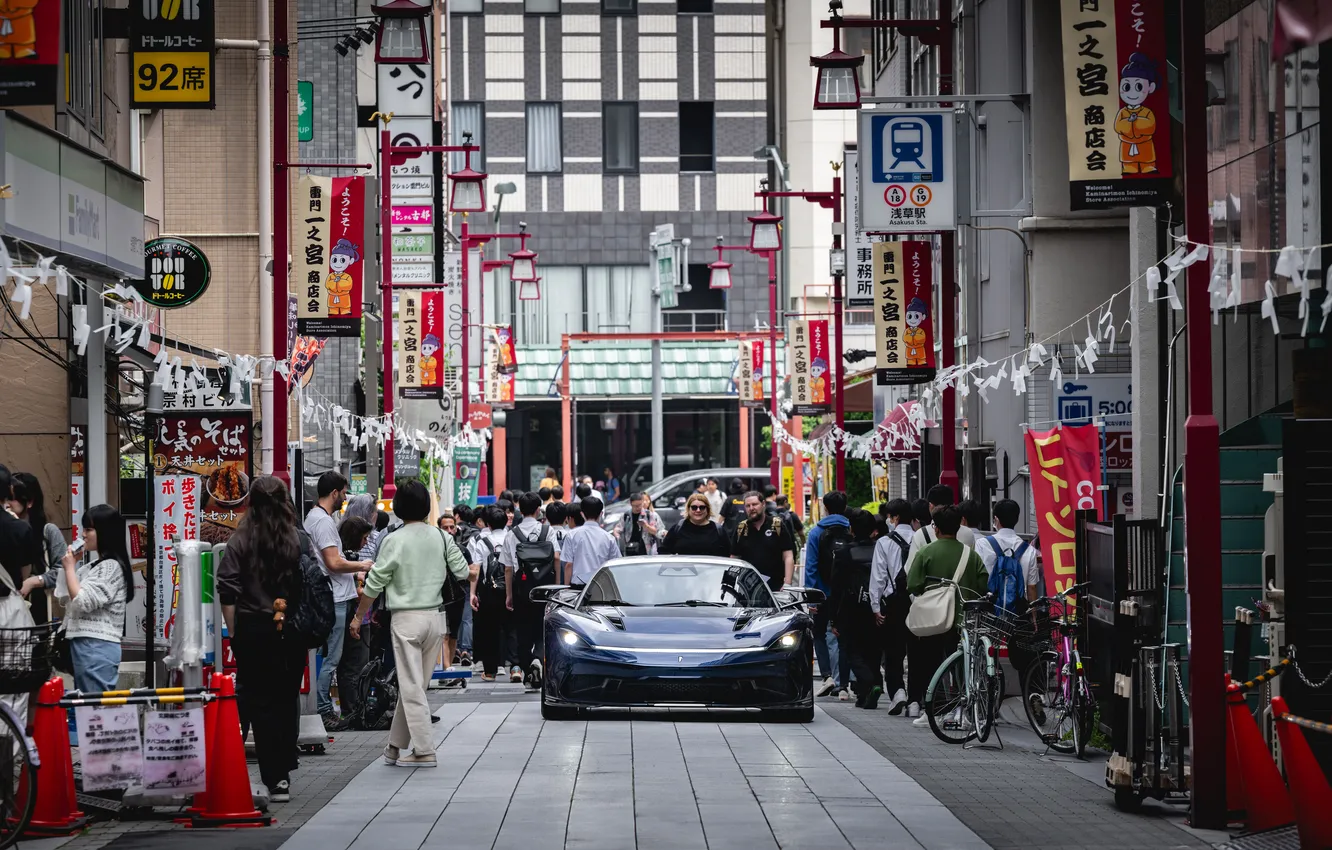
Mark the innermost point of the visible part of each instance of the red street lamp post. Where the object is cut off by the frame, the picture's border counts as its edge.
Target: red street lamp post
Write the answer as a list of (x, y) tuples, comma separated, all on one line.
[(838, 85)]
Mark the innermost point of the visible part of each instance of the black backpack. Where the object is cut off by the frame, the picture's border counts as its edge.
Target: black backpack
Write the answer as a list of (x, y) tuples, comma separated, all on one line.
[(492, 571), (834, 551), (859, 560), (310, 620), (899, 583), (454, 589), (535, 557)]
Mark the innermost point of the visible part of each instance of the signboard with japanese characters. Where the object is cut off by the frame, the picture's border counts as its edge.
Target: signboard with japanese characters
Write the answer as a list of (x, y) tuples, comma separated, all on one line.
[(412, 186), (751, 373), (411, 132), (466, 472), (213, 394), (215, 447), (903, 329), (171, 54), (505, 353), (176, 272), (30, 53), (860, 250), (1101, 398), (744, 371), (1115, 53), (809, 366), (413, 245), (907, 179), (421, 355), (499, 384), (77, 459), (328, 263), (176, 501)]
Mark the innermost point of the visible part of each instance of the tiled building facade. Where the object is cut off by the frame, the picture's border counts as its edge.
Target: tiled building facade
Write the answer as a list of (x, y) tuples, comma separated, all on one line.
[(611, 119)]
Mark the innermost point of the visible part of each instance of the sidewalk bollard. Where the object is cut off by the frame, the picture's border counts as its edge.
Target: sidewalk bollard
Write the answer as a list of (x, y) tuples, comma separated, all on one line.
[(1266, 803), (1309, 788), (228, 801), (56, 811)]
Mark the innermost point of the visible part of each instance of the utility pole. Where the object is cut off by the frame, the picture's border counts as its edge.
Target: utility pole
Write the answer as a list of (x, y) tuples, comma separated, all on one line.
[(281, 234), (666, 269)]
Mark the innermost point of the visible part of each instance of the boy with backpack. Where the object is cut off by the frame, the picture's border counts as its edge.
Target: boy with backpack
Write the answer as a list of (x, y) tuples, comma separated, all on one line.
[(826, 541), (492, 598), (531, 550), (850, 615), (1010, 561), (891, 602)]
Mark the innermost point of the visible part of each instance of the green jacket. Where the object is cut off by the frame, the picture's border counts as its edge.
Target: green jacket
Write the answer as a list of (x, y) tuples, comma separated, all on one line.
[(410, 566), (939, 560)]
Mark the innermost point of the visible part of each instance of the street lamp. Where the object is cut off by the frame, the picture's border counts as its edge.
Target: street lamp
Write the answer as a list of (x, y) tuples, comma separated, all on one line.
[(719, 272), (522, 268), (402, 36), (839, 72), (765, 232), (469, 187)]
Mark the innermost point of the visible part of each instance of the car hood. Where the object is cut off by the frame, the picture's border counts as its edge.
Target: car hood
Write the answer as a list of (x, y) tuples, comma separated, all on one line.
[(692, 628)]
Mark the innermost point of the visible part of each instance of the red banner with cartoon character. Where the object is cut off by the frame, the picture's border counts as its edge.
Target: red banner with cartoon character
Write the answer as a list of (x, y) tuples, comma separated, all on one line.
[(329, 215), (903, 329), (1065, 466), (757, 376), (421, 358)]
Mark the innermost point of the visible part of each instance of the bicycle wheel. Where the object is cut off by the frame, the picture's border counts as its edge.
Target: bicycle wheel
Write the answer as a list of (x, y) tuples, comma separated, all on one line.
[(983, 696), (946, 702), (18, 781), (1047, 710), (1083, 714)]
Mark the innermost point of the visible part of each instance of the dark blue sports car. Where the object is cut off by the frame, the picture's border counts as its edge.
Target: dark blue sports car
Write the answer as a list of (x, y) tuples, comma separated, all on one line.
[(678, 632)]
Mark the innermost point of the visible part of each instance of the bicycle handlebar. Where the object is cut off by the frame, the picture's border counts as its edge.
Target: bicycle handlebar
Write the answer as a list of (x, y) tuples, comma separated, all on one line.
[(960, 588), (1062, 596)]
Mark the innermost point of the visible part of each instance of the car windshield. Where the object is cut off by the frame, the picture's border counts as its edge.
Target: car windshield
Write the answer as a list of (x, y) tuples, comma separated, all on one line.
[(679, 583)]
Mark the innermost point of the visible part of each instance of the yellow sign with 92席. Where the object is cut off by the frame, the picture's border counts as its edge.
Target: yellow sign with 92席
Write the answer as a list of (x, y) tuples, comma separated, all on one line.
[(179, 77)]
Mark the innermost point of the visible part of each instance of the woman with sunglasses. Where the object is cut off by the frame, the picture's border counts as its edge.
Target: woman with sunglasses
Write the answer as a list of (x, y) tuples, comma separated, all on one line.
[(696, 534)]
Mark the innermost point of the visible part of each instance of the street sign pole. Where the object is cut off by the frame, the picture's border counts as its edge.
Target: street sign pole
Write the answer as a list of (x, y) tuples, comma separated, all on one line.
[(662, 242)]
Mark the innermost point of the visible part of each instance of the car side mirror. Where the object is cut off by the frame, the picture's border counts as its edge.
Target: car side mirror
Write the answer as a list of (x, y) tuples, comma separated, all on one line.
[(548, 593), (680, 503), (804, 595)]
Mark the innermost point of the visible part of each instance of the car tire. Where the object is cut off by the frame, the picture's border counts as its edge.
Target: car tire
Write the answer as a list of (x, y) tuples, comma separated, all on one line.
[(790, 715), (557, 712)]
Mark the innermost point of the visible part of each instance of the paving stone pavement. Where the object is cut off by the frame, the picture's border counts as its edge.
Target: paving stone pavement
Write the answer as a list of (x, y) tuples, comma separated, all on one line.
[(662, 780)]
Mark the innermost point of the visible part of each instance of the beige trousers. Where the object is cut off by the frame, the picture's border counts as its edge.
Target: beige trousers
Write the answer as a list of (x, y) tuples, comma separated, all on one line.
[(417, 636)]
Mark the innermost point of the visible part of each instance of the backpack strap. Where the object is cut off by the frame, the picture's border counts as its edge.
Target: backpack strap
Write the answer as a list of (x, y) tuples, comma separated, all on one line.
[(541, 535), (994, 544), (1020, 551)]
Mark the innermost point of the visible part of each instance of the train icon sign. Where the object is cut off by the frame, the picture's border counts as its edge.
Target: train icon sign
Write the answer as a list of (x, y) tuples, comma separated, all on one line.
[(906, 170)]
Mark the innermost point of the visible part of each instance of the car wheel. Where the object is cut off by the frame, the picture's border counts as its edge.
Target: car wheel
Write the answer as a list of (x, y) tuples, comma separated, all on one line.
[(557, 712), (790, 715)]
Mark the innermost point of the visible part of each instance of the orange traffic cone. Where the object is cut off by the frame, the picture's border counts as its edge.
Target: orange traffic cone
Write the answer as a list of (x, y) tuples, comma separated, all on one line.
[(1308, 786), (210, 731), (227, 798), (1266, 803), (56, 811)]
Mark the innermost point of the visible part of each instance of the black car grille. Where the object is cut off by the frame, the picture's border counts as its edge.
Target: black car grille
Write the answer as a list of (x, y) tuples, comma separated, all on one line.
[(648, 691)]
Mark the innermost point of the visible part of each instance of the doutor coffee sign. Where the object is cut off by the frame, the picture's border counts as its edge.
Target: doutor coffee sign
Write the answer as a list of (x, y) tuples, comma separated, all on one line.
[(176, 272)]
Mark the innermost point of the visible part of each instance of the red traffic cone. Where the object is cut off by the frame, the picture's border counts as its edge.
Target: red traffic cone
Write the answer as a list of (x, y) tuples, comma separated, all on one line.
[(1234, 784), (1266, 803), (56, 811), (227, 798), (210, 731), (1308, 786)]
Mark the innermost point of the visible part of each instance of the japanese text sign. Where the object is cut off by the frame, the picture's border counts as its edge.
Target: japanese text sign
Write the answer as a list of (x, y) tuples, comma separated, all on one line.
[(421, 353), (499, 383), (744, 372), (466, 471), (903, 329), (30, 64), (328, 268), (215, 446), (809, 366), (1065, 478), (175, 508), (506, 355), (751, 356), (1114, 53), (907, 179), (171, 54), (860, 253)]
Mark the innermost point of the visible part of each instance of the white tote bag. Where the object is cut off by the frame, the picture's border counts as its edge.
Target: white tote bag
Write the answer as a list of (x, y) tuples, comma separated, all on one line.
[(935, 610)]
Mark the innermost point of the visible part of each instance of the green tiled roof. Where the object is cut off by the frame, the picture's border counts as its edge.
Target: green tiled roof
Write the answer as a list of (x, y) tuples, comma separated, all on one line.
[(625, 369)]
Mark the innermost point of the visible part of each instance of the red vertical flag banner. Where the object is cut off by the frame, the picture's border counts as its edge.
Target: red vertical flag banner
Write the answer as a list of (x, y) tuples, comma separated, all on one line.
[(759, 374), (421, 358), (1065, 468), (329, 264), (903, 289)]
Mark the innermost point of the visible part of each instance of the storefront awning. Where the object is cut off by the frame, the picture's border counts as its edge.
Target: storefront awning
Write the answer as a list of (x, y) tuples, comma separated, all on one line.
[(624, 370)]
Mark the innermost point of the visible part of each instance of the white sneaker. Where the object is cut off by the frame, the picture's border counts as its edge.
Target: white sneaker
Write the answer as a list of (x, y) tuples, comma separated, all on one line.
[(844, 695), (922, 720), (826, 688), (533, 679), (913, 710), (897, 703)]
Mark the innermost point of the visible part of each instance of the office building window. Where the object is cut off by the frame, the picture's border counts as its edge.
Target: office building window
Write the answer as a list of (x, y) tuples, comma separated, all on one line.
[(619, 7), (545, 143), (697, 136), (469, 118), (541, 7), (560, 310), (619, 137), (84, 60), (619, 299), (694, 7), (466, 7)]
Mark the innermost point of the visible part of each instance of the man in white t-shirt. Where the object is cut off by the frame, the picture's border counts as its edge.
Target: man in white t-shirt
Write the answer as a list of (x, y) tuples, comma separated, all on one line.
[(323, 531), (587, 547), (1006, 513), (890, 606), (493, 637)]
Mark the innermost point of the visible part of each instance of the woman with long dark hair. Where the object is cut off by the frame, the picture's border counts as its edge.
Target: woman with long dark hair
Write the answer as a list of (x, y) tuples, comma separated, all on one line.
[(28, 503), (94, 597), (262, 564)]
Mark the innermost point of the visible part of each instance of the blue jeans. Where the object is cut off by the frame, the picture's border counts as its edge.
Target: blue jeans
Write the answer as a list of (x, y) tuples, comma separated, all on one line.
[(465, 632), (96, 664), (826, 649), (332, 655)]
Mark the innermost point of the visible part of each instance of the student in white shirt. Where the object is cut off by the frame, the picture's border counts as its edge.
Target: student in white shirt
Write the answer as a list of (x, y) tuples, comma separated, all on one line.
[(587, 547), (1006, 513), (493, 638), (529, 617), (938, 496), (890, 607)]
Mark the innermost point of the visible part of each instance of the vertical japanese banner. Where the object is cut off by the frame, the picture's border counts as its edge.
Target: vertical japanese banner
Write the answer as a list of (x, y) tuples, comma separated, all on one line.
[(903, 329), (216, 447), (744, 372), (860, 252), (421, 357), (175, 510), (757, 369), (1066, 477), (506, 354), (330, 212), (466, 470), (77, 459), (797, 331), (499, 384), (1116, 103), (819, 359)]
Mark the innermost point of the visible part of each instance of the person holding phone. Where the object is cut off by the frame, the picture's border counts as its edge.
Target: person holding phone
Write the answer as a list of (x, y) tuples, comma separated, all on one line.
[(95, 596), (641, 529)]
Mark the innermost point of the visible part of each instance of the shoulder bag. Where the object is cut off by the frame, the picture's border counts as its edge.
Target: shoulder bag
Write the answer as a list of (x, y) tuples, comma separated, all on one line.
[(935, 611)]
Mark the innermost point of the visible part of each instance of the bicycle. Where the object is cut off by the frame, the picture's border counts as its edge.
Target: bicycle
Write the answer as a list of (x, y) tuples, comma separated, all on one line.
[(26, 656), (963, 696), (1055, 693)]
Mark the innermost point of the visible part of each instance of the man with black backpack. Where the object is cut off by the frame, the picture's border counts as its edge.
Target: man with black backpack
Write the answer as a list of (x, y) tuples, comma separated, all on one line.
[(891, 602), (850, 615), (492, 599), (531, 550), (828, 540)]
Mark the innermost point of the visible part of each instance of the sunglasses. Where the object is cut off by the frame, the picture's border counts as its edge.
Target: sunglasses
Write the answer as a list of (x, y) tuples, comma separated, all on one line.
[(698, 507)]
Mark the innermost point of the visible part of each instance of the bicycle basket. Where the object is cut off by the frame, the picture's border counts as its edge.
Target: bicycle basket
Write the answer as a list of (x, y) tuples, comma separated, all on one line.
[(26, 656)]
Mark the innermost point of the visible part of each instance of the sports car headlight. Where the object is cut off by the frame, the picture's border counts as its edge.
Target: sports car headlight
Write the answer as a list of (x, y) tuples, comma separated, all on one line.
[(786, 641), (571, 638)]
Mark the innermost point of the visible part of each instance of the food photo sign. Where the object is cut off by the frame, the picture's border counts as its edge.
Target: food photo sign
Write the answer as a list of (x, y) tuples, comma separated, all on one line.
[(217, 448)]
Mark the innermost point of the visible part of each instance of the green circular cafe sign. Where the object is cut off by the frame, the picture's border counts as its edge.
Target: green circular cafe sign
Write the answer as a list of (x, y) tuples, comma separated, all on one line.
[(176, 272)]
